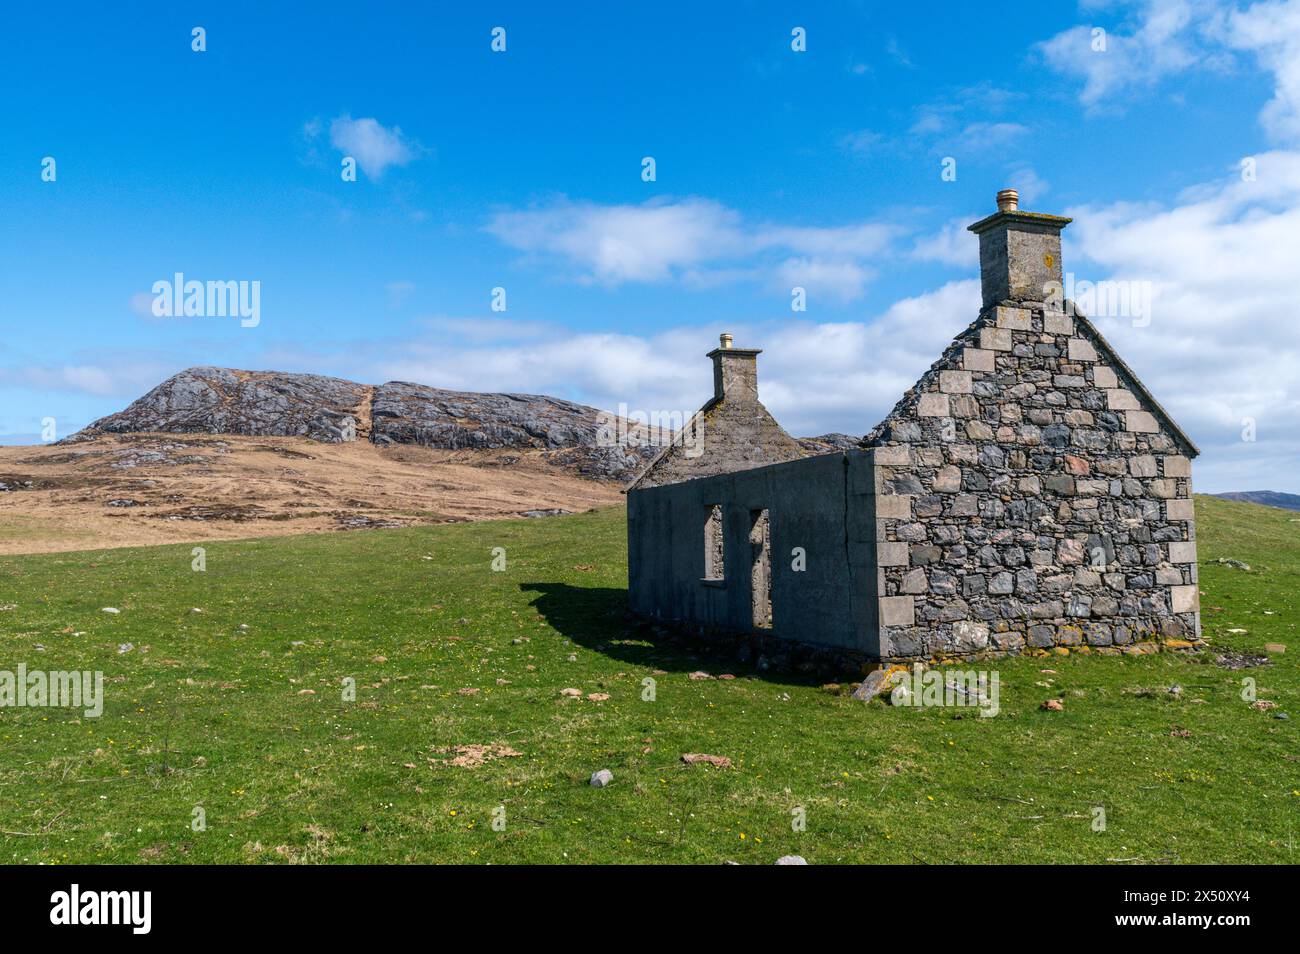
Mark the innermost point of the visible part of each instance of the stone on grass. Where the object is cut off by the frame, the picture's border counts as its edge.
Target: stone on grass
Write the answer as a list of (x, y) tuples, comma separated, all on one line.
[(602, 778), (698, 758), (791, 860)]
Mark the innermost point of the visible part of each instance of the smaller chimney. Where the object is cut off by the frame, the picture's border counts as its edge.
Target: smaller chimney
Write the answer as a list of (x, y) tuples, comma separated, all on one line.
[(1020, 253), (735, 371)]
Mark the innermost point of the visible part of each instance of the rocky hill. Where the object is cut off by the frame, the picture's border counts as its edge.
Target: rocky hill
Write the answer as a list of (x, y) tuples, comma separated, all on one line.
[(334, 410)]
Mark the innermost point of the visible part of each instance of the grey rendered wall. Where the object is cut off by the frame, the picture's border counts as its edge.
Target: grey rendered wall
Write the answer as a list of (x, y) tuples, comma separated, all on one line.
[(825, 505)]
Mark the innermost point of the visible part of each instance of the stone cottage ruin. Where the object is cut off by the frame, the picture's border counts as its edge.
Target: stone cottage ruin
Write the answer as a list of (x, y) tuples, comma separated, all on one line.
[(1027, 491)]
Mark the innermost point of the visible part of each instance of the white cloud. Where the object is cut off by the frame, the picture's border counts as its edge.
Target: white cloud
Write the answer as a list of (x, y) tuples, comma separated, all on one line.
[(621, 243), (698, 241), (1161, 44), (841, 281), (1028, 183), (951, 245), (1221, 345), (99, 380), (374, 146), (982, 136), (815, 377), (1175, 36), (1271, 30)]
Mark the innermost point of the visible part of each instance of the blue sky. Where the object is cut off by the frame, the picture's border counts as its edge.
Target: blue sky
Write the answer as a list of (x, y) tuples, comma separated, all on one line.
[(522, 170)]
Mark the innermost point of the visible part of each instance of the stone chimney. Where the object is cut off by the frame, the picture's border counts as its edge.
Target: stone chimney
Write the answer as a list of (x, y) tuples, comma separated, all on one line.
[(735, 371), (1020, 253)]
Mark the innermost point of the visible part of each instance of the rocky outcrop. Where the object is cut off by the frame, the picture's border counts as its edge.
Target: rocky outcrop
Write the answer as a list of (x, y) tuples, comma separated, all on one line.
[(253, 403), (829, 443), (570, 434), (333, 410)]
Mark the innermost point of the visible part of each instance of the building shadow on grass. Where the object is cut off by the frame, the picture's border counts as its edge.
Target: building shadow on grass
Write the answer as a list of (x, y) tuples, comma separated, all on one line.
[(597, 618)]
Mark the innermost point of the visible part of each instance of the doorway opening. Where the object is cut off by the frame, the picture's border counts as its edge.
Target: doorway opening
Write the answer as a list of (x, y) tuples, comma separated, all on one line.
[(760, 574)]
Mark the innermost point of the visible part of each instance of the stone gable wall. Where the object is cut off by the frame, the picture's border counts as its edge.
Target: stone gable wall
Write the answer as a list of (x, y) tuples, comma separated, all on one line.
[(1028, 496)]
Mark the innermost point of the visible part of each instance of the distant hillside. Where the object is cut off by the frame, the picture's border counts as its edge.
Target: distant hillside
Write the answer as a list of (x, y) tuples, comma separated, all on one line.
[(228, 401), (334, 410), (1269, 498)]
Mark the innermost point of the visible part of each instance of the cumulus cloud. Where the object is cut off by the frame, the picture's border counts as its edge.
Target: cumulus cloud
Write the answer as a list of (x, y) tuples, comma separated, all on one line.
[(697, 241), (1221, 347), (1174, 36), (951, 245), (1271, 31), (375, 147), (612, 244), (983, 136), (1166, 39), (816, 377), (98, 380)]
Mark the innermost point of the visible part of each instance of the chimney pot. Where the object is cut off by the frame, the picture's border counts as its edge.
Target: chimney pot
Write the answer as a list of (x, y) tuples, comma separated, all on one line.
[(1008, 200), (724, 340)]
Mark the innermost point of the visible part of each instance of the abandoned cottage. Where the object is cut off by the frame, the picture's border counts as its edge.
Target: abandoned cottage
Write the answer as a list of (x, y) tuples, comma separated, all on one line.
[(1027, 491)]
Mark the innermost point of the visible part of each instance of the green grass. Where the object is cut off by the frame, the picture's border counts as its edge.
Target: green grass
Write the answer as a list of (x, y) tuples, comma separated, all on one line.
[(202, 713)]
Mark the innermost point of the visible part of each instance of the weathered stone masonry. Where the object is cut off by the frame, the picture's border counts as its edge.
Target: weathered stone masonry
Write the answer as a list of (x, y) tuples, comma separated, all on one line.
[(1027, 491), (1032, 491)]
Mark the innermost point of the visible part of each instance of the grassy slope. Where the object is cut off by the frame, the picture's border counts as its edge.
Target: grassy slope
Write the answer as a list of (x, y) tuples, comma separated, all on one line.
[(283, 776)]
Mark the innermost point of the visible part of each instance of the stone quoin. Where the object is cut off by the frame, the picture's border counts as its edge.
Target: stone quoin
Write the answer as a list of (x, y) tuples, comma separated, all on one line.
[(1028, 492)]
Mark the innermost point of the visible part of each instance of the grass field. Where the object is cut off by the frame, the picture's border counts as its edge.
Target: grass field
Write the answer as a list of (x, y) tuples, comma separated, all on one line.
[(250, 723)]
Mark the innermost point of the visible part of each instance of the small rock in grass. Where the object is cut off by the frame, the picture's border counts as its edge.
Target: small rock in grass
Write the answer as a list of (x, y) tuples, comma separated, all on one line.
[(571, 693), (1235, 564), (699, 675), (110, 609), (125, 648), (697, 758), (1052, 705), (573, 657), (1275, 647), (598, 696), (467, 691), (791, 860), (877, 681), (602, 778)]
